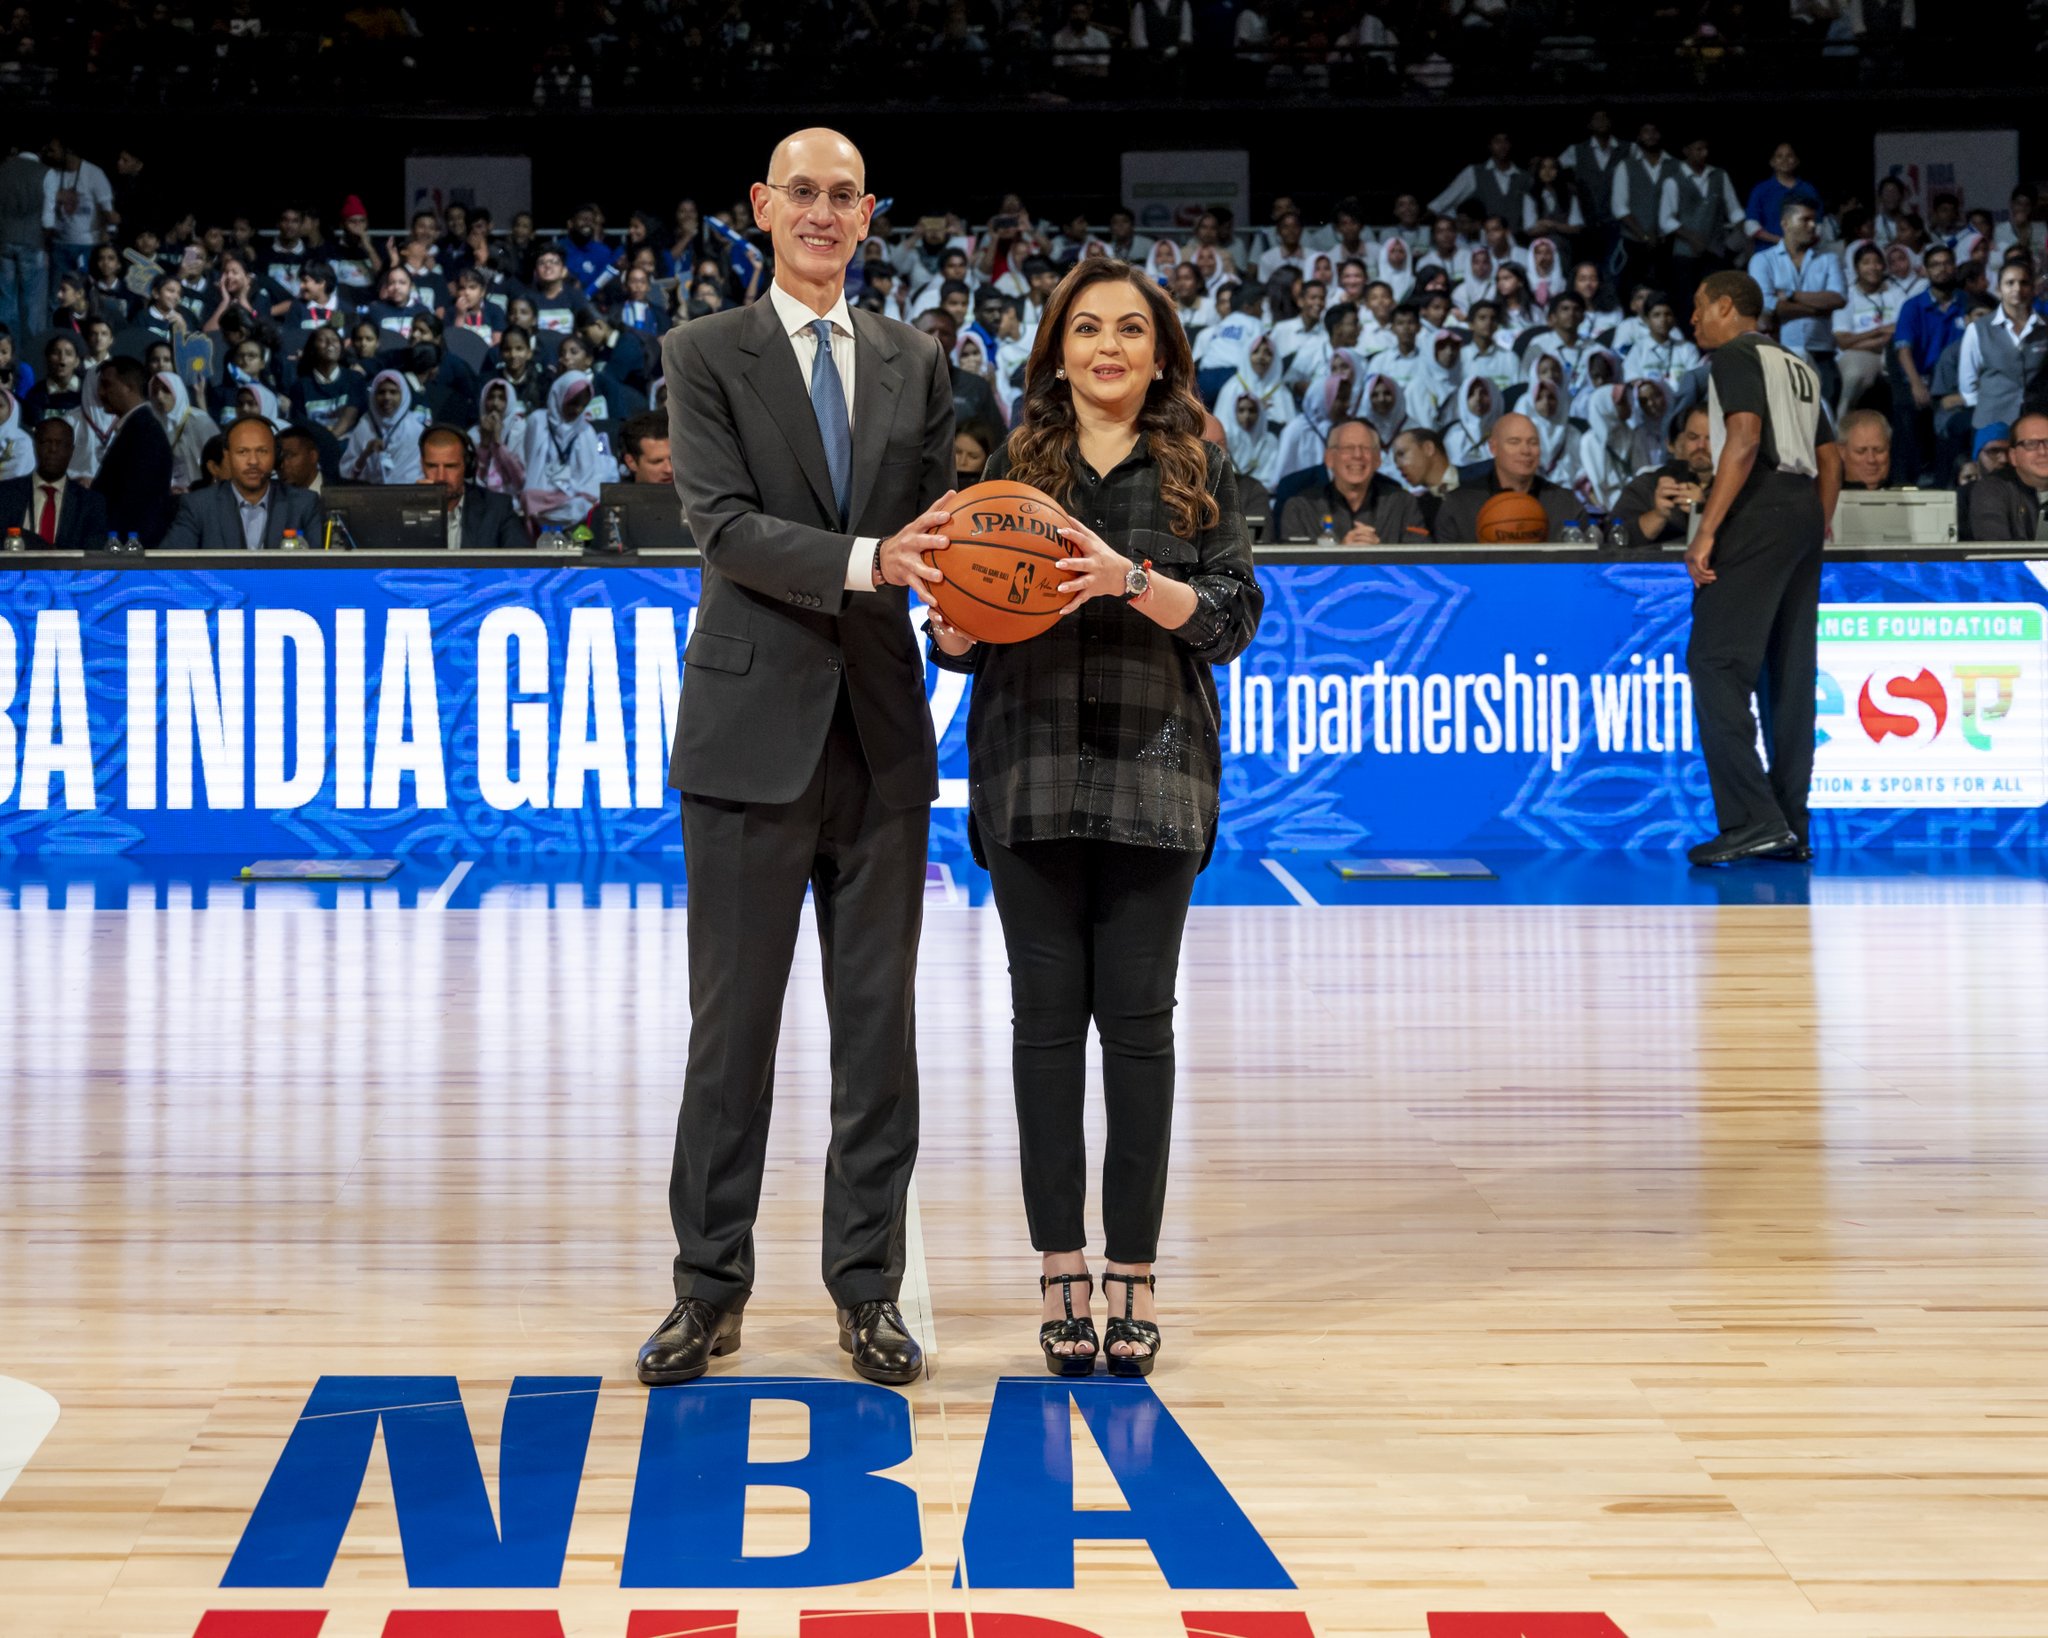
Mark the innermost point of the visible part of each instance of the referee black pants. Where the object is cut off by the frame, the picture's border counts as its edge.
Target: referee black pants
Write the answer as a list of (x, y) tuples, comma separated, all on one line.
[(1755, 630), (1093, 931)]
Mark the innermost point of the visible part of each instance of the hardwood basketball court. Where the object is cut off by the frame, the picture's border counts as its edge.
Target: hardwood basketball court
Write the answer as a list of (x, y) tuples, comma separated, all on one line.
[(1681, 1263)]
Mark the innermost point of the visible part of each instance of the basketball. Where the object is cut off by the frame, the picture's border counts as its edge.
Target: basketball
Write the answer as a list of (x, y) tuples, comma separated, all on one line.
[(1512, 518), (1000, 585)]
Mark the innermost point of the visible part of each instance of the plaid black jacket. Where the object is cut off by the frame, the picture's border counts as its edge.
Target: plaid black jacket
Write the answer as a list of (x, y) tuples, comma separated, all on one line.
[(1106, 726)]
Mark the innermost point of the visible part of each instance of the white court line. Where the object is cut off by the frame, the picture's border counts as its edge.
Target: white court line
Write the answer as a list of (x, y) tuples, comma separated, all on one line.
[(446, 890), (1285, 878), (27, 1414)]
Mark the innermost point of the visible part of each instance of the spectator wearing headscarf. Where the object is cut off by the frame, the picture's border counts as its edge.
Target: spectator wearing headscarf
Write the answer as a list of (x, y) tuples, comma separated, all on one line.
[(1259, 371), (1479, 406), (499, 438), (1624, 435), (187, 428), (565, 463), (385, 445), (1253, 445), (17, 449)]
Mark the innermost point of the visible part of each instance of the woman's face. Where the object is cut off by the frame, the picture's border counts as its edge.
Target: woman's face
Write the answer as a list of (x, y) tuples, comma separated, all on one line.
[(1109, 347), (637, 283), (158, 357), (521, 312), (1599, 371), (1321, 271), (968, 455), (1478, 397), (1548, 369), (1352, 282), (1164, 259), (1384, 396), (1650, 399), (106, 264), (1397, 254), (247, 403), (385, 396), (250, 357), (161, 396), (1547, 169), (1507, 282), (1482, 262), (971, 358), (63, 360), (1262, 355), (421, 330), (575, 354), (1247, 412), (1586, 281), (1898, 261), (398, 287), (1205, 261), (326, 347), (517, 351), (496, 399), (1545, 396), (1545, 256)]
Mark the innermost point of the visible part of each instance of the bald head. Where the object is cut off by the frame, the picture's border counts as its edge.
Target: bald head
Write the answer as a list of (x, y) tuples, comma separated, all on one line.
[(1517, 449), (815, 209), (818, 152)]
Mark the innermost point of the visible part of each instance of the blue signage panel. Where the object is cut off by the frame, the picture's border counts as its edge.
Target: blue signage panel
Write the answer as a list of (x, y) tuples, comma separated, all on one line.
[(505, 714)]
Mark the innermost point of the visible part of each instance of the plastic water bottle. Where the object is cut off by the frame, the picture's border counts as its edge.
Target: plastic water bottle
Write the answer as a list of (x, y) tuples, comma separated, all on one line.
[(1329, 535), (614, 536), (1617, 535), (291, 542), (133, 544), (1574, 533), (15, 541)]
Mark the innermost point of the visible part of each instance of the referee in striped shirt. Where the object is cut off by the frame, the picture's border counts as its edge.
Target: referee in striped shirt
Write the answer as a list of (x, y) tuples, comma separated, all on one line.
[(1755, 567)]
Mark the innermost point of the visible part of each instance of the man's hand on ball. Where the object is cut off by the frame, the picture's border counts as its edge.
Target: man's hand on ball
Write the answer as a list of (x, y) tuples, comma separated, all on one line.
[(902, 555)]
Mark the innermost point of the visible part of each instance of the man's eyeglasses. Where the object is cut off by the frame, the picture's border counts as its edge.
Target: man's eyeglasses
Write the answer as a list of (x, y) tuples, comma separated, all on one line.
[(804, 196), (2033, 446)]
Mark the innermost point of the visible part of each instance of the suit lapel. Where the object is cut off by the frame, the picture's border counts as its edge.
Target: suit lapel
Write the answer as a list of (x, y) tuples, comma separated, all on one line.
[(877, 380), (774, 375)]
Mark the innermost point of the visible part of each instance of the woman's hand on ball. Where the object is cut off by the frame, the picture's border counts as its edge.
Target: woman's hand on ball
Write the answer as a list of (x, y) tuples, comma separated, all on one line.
[(1098, 569), (902, 562), (948, 636)]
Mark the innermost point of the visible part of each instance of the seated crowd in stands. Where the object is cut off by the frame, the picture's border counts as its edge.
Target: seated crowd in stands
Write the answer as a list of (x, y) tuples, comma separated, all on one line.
[(1524, 327)]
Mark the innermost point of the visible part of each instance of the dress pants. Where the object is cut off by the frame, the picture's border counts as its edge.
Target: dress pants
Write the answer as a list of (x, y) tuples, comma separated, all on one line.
[(1093, 931), (749, 864), (1756, 630)]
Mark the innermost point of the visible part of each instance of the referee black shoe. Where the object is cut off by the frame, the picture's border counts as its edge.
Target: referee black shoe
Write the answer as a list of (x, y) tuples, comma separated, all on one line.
[(1798, 853), (1750, 842)]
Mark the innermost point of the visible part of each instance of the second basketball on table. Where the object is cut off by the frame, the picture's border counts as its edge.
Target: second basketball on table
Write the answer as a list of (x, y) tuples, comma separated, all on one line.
[(1002, 583)]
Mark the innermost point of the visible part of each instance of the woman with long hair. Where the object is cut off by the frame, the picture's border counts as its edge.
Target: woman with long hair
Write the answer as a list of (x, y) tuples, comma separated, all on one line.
[(1093, 774)]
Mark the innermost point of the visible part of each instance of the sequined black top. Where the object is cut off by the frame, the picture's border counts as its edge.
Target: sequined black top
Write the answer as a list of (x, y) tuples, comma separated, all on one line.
[(1105, 727)]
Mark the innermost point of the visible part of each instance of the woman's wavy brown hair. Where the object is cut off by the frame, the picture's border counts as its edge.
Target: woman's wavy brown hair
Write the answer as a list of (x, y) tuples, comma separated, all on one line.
[(1044, 445)]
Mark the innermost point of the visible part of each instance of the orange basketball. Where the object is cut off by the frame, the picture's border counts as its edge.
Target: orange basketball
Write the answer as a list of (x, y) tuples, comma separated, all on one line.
[(1000, 585), (1512, 518)]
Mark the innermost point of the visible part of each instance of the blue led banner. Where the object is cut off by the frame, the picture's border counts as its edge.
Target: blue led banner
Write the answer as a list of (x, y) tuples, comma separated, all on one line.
[(503, 714)]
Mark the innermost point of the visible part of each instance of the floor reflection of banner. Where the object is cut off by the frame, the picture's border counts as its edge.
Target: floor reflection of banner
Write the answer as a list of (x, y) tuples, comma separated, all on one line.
[(500, 714)]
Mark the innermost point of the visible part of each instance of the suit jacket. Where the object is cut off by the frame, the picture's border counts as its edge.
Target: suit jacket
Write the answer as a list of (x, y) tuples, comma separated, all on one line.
[(2001, 508), (1457, 519), (1389, 509), (210, 519), (777, 632), (81, 515), (134, 479), (489, 524)]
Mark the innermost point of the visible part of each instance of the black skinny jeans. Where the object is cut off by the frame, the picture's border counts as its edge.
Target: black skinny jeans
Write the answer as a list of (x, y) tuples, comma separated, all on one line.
[(1093, 931)]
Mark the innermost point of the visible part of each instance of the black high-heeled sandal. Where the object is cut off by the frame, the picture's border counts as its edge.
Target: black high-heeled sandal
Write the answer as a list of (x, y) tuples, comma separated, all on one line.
[(1073, 1329), (1130, 1331)]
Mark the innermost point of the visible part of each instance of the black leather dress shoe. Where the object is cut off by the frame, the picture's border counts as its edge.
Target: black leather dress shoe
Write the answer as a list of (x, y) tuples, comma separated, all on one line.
[(1750, 842), (1798, 853), (882, 1347), (683, 1345)]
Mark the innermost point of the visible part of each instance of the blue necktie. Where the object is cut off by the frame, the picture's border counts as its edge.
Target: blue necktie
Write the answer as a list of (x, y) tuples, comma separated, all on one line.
[(828, 403)]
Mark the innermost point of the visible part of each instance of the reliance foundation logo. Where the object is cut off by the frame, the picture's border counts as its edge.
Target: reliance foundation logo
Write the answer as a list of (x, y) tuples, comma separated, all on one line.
[(1932, 705)]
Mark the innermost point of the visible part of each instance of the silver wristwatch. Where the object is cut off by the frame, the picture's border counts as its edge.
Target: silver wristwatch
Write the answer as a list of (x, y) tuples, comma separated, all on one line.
[(1137, 582)]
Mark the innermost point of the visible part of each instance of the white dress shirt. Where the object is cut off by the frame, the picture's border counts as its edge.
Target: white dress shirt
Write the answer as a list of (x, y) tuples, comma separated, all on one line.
[(797, 320), (1970, 362), (38, 487)]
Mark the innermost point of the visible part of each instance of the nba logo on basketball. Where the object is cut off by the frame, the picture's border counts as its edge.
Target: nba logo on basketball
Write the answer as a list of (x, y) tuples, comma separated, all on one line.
[(1021, 578)]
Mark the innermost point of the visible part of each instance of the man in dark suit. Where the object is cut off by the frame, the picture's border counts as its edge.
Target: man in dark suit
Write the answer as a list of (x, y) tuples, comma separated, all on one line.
[(813, 450), (1517, 457), (251, 511), (2012, 504), (50, 510), (478, 521), (134, 477)]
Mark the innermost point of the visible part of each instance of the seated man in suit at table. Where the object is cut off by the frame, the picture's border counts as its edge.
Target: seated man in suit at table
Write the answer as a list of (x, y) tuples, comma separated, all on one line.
[(252, 510), (478, 520), (53, 513)]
